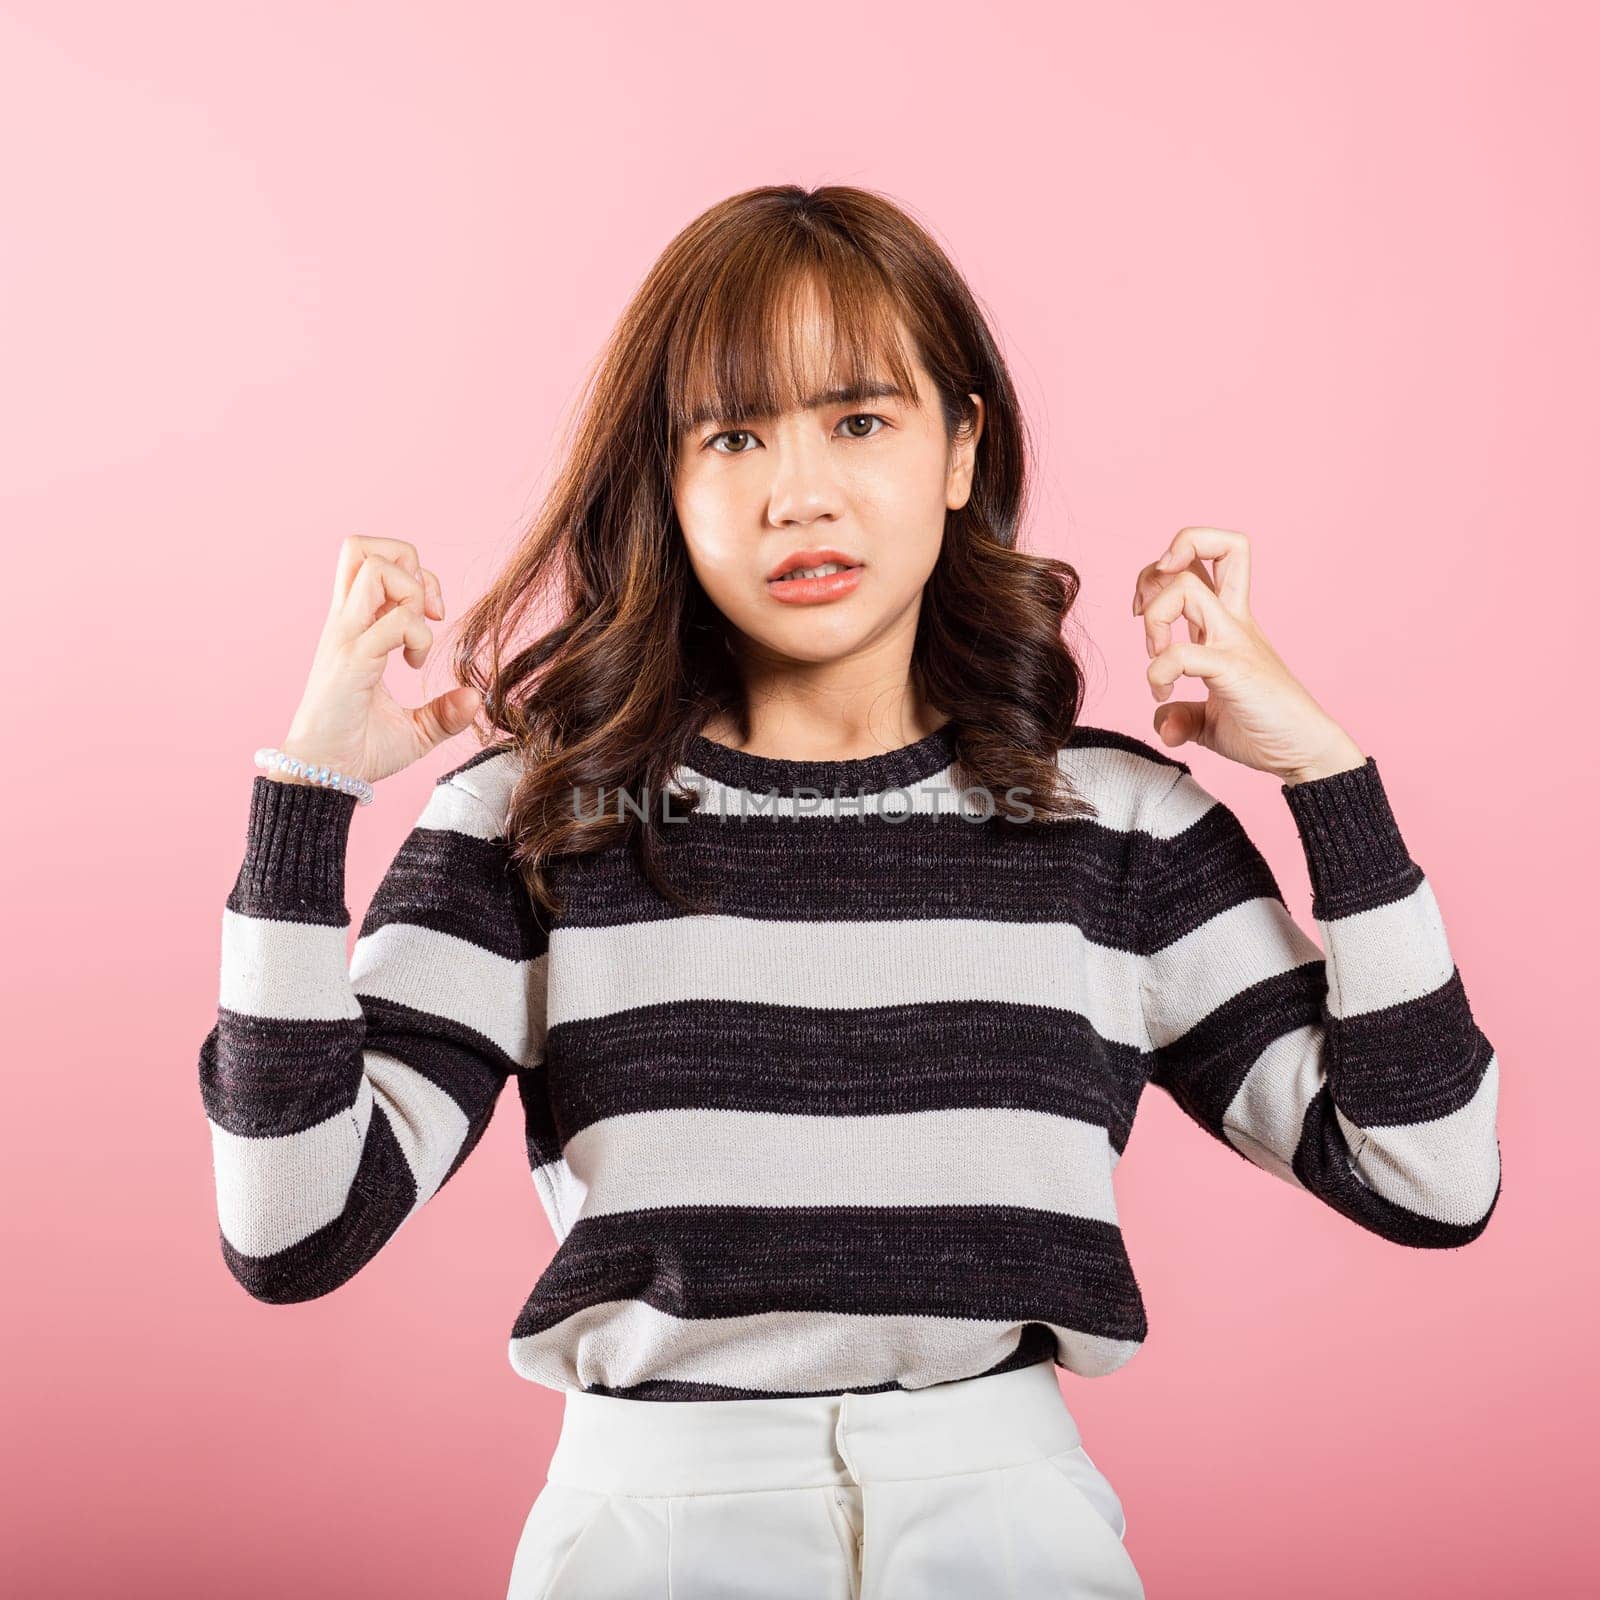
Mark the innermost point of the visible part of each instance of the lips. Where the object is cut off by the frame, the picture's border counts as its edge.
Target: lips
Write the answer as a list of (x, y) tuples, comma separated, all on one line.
[(802, 559), (819, 589)]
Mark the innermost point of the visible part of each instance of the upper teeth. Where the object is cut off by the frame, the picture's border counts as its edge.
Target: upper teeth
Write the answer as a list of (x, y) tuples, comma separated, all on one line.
[(816, 572)]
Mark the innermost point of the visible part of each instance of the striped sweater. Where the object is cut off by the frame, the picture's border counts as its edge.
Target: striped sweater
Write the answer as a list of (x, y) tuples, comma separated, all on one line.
[(857, 1127)]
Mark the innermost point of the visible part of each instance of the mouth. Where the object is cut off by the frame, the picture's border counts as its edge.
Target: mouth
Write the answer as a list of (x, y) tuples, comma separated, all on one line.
[(802, 564), (811, 577)]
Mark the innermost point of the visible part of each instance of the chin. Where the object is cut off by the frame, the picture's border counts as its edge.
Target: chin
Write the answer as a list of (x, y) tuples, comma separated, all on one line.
[(814, 639)]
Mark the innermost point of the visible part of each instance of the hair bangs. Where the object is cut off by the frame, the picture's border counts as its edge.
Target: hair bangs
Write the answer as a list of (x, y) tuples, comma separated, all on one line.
[(778, 333)]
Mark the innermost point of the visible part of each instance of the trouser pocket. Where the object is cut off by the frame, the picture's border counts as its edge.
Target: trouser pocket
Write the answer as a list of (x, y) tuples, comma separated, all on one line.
[(559, 1519), (1076, 1466)]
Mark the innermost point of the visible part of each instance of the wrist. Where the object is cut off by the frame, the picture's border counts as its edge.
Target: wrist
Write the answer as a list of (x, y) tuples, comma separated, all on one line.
[(1346, 756), (281, 767), (278, 775)]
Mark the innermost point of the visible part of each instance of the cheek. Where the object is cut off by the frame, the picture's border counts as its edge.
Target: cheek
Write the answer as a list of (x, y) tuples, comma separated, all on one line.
[(710, 534), (689, 500), (902, 502)]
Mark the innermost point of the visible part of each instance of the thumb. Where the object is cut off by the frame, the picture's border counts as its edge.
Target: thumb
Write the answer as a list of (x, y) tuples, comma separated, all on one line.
[(1183, 720), (447, 714)]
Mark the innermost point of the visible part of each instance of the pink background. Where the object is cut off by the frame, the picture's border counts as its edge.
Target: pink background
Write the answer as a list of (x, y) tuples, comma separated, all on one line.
[(273, 275)]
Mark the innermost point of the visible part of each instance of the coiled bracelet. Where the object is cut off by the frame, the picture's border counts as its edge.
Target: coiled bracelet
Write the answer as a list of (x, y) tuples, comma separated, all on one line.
[(279, 761)]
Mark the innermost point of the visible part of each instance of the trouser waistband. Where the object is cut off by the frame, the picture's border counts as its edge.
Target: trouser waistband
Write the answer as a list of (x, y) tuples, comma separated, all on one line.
[(665, 1447)]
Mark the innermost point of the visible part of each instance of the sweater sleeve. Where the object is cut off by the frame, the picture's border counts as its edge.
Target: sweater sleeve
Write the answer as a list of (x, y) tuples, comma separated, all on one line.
[(342, 1096), (1357, 1074)]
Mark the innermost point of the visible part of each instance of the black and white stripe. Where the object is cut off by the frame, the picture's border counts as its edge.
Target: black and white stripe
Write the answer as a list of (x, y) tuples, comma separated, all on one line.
[(343, 1093), (856, 1127), (1358, 1074)]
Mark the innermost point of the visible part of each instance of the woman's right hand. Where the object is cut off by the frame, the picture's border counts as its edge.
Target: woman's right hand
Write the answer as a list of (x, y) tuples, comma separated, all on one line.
[(347, 720)]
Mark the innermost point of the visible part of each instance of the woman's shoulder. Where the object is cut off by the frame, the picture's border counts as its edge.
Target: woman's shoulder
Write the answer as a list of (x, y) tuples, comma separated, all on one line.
[(489, 776), (1125, 777)]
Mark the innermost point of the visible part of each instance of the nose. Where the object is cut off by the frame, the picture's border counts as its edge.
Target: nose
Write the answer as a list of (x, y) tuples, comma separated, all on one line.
[(804, 484)]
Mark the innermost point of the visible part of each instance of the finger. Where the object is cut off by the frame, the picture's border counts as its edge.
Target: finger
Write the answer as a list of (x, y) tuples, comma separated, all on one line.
[(434, 590), (1228, 548), (1151, 579), (380, 588), (446, 715), (356, 548), (1179, 721), (1186, 659), (1188, 596), (402, 625)]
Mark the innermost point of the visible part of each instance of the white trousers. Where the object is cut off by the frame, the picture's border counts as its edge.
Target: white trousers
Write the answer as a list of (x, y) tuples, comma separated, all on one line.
[(974, 1490)]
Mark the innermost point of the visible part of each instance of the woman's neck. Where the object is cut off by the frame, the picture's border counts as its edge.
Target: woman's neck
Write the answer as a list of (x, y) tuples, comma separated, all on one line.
[(791, 731)]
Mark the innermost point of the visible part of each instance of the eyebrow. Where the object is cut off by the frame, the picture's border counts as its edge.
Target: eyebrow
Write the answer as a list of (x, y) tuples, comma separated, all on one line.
[(828, 397)]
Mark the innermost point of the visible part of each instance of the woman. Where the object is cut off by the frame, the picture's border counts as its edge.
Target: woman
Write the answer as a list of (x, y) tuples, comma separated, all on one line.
[(829, 951)]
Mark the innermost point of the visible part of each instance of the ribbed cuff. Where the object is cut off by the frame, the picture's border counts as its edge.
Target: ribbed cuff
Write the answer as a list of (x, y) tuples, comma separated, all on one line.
[(294, 851), (1353, 846)]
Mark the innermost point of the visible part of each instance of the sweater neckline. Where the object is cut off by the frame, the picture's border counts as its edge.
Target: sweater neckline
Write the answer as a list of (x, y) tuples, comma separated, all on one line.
[(873, 774)]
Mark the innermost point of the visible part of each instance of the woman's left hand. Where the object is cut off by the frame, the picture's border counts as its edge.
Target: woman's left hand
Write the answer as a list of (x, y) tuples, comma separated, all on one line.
[(1256, 711)]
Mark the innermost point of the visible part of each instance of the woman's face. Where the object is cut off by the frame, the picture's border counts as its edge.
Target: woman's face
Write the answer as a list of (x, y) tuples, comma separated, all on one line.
[(868, 478)]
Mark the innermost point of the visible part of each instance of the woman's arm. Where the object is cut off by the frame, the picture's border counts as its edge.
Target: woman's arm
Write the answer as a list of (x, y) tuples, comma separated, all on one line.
[(342, 1097), (1358, 1075)]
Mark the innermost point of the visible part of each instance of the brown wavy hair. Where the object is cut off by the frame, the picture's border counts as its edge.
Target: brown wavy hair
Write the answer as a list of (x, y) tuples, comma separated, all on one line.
[(608, 699)]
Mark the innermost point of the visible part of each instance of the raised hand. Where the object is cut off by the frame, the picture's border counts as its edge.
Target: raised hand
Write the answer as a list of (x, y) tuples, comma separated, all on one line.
[(347, 720), (1255, 710)]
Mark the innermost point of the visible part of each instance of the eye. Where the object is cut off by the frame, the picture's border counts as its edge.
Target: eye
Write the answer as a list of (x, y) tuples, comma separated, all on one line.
[(744, 433), (866, 416)]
